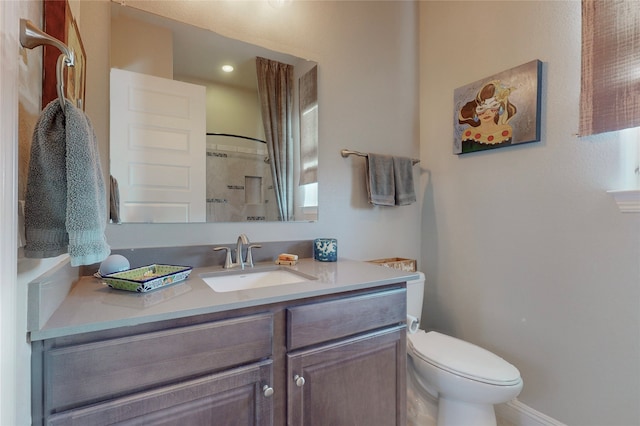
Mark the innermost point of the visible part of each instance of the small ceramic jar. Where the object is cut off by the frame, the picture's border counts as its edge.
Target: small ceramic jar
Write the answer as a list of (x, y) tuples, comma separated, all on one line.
[(325, 249)]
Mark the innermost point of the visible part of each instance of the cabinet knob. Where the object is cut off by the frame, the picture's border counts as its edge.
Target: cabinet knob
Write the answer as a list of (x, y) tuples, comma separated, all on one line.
[(267, 390), (299, 380)]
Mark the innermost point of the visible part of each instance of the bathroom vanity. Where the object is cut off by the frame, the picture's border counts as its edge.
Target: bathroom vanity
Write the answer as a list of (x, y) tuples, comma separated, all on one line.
[(331, 349)]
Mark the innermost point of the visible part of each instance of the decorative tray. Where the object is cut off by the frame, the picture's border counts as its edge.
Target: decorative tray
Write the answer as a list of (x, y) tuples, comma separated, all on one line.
[(147, 278)]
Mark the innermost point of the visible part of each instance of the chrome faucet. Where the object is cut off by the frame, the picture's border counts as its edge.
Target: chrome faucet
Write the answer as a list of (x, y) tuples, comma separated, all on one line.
[(228, 263), (242, 239)]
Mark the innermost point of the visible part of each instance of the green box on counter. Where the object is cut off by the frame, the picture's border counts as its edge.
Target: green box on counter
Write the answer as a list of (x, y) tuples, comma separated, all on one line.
[(147, 278)]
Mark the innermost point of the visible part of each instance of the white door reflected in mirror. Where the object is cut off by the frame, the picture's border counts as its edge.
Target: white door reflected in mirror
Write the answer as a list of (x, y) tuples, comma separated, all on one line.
[(158, 148)]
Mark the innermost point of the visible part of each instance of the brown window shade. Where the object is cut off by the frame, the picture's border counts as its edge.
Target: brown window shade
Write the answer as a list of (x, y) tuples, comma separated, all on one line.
[(610, 93)]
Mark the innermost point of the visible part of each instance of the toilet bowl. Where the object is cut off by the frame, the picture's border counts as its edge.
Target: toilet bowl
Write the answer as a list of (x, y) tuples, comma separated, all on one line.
[(466, 379)]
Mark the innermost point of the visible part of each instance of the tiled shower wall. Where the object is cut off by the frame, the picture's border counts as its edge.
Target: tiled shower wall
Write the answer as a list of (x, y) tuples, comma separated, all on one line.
[(239, 185)]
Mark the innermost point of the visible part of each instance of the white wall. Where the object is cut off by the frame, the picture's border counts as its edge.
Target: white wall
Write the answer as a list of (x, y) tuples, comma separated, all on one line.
[(9, 23), (26, 78), (523, 250), (20, 85)]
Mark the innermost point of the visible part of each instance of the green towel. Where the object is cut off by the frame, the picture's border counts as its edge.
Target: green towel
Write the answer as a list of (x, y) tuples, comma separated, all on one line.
[(65, 203)]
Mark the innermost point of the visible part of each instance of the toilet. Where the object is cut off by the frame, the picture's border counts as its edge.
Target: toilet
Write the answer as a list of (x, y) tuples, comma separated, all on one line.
[(466, 379)]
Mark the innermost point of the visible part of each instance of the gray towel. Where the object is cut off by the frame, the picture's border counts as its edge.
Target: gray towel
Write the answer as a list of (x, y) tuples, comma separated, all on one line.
[(403, 178), (114, 200), (65, 203), (380, 180)]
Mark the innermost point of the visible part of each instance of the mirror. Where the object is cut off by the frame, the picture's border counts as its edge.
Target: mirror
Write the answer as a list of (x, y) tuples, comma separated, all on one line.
[(226, 172)]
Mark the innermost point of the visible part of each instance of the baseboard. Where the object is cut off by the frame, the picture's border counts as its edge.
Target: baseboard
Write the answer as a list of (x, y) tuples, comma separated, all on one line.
[(519, 414)]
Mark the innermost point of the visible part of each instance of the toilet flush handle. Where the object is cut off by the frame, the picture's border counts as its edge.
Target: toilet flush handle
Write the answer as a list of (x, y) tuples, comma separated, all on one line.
[(299, 380)]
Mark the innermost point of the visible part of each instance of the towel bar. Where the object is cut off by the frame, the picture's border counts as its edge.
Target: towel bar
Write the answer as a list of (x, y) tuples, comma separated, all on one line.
[(347, 152)]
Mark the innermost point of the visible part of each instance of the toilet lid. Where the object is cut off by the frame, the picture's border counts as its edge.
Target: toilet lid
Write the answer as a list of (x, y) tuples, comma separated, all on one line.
[(463, 358)]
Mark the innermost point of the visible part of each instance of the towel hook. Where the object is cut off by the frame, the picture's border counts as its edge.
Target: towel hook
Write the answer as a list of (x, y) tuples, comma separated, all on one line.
[(31, 36)]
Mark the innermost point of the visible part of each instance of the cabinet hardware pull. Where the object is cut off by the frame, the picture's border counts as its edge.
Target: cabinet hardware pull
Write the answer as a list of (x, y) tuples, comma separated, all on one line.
[(267, 391), (299, 380)]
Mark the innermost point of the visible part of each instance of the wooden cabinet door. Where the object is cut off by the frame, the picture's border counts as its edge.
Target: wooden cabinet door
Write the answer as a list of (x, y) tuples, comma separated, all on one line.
[(234, 397), (356, 381)]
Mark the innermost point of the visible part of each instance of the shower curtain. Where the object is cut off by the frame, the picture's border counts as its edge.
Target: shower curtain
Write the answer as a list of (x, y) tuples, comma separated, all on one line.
[(275, 89)]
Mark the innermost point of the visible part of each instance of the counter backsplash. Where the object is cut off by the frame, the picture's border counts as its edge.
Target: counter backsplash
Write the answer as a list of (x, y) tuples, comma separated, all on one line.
[(204, 255)]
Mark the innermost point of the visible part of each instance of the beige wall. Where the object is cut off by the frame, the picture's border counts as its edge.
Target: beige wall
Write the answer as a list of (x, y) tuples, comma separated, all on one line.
[(135, 47), (234, 110), (524, 251)]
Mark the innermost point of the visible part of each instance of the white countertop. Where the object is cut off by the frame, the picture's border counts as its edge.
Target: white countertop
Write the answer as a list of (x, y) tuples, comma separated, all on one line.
[(92, 306)]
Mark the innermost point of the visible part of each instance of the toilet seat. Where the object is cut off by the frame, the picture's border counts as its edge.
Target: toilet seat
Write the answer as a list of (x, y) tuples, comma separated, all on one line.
[(463, 358)]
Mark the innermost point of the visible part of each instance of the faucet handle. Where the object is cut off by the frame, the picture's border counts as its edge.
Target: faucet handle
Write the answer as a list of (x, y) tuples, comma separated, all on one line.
[(227, 262), (249, 260)]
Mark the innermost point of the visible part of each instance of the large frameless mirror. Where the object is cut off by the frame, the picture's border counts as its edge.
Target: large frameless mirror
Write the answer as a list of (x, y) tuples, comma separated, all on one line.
[(188, 141)]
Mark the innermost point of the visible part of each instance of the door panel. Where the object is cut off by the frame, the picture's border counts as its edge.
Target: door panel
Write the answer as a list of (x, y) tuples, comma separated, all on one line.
[(360, 381), (158, 148)]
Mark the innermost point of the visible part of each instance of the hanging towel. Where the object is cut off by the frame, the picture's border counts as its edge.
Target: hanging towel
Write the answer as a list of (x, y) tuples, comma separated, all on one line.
[(65, 205), (114, 200), (380, 180), (403, 178)]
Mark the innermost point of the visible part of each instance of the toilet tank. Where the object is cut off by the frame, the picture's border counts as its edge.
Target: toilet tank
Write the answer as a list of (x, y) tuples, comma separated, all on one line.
[(415, 295)]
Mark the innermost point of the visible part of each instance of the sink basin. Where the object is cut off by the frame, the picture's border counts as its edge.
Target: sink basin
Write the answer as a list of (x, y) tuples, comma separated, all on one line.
[(247, 279)]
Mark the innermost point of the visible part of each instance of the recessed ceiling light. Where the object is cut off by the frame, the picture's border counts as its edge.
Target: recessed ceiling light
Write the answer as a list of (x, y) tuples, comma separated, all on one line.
[(227, 68)]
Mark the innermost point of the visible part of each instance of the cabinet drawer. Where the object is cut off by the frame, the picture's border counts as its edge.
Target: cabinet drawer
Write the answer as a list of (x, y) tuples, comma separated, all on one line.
[(320, 322), (221, 398), (92, 372)]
